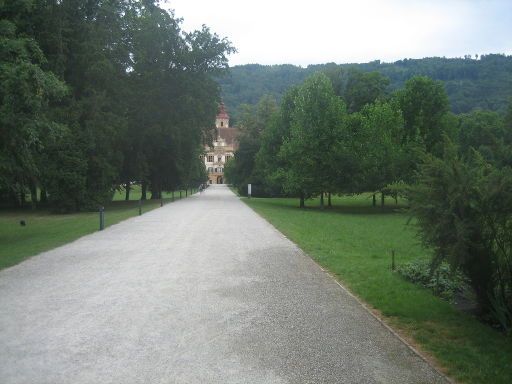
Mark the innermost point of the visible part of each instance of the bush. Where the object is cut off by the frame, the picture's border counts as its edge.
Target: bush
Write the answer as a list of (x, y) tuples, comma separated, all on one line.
[(443, 281), (463, 206)]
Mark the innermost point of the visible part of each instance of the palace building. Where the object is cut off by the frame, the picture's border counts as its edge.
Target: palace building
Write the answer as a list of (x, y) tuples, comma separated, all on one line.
[(224, 147)]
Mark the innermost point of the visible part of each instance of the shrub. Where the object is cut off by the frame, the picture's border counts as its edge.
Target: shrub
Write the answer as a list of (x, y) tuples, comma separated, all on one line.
[(443, 281), (464, 211)]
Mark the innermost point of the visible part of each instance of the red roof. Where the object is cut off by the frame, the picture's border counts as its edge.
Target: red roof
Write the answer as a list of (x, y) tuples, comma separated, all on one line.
[(230, 135), (222, 112)]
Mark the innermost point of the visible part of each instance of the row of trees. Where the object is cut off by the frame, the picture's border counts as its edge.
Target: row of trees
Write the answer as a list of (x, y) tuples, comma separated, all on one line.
[(455, 170), (94, 94), (341, 138)]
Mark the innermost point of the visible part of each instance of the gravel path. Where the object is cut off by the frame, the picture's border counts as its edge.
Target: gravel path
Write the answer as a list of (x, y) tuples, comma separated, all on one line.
[(200, 291)]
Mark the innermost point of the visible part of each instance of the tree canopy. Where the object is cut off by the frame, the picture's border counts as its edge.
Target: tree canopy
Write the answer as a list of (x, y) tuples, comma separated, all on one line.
[(99, 93)]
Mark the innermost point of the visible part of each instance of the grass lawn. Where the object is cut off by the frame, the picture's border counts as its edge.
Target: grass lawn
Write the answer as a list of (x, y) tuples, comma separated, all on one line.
[(45, 230), (354, 241)]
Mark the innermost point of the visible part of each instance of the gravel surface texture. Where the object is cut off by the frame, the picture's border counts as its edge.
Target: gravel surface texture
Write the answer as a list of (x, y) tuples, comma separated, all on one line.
[(202, 290)]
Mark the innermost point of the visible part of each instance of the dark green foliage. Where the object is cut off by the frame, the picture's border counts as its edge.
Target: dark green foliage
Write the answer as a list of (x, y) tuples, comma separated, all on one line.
[(464, 210), (443, 281), (268, 164), (316, 131), (252, 122), (376, 156), (359, 88), (25, 92), (486, 132), (100, 93), (424, 105), (64, 174)]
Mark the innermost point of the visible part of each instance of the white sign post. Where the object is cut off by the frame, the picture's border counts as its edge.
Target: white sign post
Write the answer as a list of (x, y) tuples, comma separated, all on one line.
[(249, 187)]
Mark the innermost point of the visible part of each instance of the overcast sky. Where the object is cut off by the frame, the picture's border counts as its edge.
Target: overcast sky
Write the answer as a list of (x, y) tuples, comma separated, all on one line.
[(306, 32)]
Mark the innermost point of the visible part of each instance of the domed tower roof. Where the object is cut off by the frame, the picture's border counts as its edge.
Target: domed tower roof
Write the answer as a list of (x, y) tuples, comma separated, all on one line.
[(223, 114), (222, 119)]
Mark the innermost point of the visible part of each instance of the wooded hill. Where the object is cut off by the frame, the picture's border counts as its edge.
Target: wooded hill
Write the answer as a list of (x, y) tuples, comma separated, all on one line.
[(471, 83)]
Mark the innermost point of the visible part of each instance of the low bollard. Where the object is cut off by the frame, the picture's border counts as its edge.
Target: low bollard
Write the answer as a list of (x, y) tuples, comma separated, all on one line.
[(102, 218)]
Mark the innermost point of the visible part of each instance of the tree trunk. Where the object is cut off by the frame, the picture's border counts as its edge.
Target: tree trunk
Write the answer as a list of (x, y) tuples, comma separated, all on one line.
[(382, 199), (43, 198), (329, 200), (301, 203), (186, 191), (156, 193), (22, 198), (374, 200), (322, 200), (33, 195), (127, 189), (144, 191), (396, 198)]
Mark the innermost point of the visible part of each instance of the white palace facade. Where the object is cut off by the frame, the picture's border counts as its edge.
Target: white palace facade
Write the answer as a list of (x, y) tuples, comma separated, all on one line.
[(224, 147)]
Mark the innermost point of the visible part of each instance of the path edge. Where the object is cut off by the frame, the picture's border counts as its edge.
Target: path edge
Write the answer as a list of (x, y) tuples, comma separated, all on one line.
[(365, 306)]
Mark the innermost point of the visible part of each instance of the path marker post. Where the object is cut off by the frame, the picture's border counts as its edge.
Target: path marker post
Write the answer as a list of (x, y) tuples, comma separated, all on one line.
[(249, 190), (102, 218)]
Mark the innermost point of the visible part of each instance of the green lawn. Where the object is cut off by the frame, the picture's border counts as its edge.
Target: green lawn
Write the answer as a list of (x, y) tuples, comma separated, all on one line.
[(135, 194), (45, 230), (354, 241)]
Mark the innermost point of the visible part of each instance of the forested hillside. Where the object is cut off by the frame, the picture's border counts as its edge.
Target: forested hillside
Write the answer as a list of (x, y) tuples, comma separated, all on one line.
[(470, 83)]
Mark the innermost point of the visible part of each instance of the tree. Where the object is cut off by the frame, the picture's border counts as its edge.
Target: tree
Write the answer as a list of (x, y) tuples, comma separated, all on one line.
[(269, 165), (252, 122), (425, 107), (364, 88), (26, 90), (486, 132), (380, 153), (464, 209), (140, 98), (317, 121), (175, 98)]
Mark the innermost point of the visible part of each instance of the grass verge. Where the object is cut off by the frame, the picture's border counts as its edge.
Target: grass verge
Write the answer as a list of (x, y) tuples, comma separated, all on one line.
[(354, 241), (45, 230)]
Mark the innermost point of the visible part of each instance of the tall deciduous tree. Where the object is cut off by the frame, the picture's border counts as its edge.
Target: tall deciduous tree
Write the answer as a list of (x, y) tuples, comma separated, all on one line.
[(380, 152), (316, 129), (26, 89), (425, 108)]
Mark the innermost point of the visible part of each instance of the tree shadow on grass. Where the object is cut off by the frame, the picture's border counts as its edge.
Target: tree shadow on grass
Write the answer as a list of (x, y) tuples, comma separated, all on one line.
[(313, 206)]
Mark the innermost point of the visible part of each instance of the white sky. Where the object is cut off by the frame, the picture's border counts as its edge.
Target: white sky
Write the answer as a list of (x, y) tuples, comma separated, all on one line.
[(303, 32)]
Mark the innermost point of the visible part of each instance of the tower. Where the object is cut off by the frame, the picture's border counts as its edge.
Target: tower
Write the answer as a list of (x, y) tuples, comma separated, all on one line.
[(222, 119), (223, 149)]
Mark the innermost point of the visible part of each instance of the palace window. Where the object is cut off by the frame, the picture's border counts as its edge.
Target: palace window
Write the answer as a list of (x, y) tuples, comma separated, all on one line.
[(219, 158), (227, 158), (211, 158)]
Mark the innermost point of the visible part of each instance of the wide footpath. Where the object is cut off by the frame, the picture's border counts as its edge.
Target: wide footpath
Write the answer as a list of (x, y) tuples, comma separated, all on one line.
[(202, 290)]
